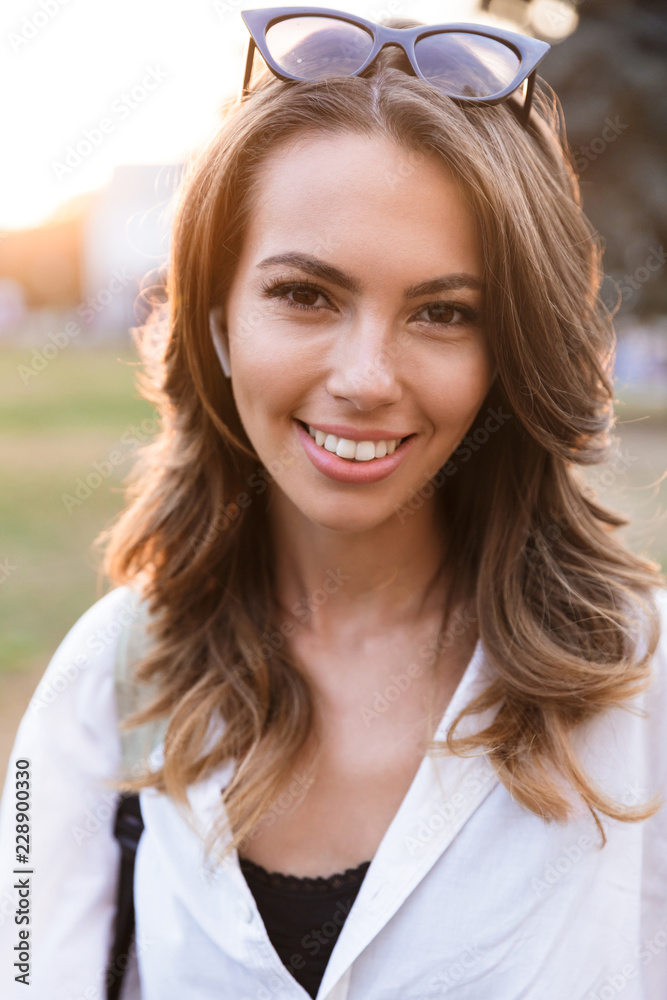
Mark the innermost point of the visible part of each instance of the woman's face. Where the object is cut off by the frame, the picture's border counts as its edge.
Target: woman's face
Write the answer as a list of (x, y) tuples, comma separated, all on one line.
[(356, 308)]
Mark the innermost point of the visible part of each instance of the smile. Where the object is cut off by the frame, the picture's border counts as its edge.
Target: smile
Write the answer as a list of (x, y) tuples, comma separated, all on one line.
[(349, 461), (356, 451)]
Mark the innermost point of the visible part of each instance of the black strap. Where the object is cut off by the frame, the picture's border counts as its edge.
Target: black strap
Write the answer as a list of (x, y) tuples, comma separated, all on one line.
[(127, 830)]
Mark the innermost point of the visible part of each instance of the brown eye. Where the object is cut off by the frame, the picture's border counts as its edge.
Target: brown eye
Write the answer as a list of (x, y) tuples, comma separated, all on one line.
[(449, 314), (305, 296), (301, 296), (441, 312)]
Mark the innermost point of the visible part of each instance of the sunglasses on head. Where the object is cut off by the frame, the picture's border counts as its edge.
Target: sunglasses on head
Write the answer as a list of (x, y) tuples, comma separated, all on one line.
[(471, 63)]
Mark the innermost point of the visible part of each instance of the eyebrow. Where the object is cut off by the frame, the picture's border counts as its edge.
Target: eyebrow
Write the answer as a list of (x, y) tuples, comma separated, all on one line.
[(327, 272)]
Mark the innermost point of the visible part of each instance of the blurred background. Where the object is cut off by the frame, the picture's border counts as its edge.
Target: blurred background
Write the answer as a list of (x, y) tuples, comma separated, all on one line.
[(103, 105)]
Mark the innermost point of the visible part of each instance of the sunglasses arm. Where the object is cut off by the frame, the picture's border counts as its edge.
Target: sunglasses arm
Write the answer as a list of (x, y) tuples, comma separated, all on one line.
[(530, 86), (250, 52)]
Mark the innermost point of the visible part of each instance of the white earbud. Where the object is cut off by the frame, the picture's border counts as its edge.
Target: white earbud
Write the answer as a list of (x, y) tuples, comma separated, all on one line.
[(219, 341)]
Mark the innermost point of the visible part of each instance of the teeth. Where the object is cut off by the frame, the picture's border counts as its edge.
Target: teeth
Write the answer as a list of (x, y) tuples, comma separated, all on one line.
[(359, 451)]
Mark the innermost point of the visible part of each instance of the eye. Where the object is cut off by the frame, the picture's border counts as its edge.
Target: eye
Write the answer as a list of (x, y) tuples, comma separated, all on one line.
[(444, 313), (305, 294)]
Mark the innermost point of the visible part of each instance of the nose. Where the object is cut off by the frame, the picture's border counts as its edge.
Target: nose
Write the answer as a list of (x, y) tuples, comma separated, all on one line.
[(364, 364)]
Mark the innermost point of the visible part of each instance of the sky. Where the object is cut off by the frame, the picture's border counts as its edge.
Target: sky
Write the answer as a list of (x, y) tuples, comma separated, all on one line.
[(128, 81)]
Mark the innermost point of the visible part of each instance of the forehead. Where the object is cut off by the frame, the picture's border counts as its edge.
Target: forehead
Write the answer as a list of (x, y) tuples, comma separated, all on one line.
[(352, 194)]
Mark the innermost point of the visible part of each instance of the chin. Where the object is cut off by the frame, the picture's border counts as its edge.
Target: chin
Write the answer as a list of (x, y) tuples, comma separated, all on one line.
[(356, 516)]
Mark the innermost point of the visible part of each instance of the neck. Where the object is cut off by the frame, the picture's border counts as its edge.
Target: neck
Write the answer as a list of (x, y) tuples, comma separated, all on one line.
[(391, 573)]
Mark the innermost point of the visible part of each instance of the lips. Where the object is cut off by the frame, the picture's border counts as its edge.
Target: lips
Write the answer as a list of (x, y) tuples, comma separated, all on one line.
[(347, 470), (354, 446)]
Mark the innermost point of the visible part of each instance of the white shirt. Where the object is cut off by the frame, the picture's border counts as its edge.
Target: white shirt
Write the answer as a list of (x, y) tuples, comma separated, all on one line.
[(469, 896)]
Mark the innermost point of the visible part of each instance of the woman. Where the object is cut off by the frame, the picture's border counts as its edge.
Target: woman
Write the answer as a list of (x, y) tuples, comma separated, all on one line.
[(394, 638)]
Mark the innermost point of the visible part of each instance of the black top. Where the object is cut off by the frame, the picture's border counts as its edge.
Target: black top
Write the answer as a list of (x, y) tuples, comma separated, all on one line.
[(303, 916)]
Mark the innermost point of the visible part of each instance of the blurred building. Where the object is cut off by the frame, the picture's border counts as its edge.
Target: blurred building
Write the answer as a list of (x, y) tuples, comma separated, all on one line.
[(125, 236), (89, 261)]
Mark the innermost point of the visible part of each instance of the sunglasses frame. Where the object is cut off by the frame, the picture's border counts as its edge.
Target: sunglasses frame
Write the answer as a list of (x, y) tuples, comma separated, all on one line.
[(531, 51)]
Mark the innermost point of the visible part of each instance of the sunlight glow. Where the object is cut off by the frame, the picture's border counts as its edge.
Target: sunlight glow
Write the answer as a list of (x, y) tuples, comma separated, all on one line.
[(90, 85)]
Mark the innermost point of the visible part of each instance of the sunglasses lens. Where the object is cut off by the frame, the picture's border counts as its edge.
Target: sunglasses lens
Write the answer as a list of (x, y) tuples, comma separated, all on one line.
[(311, 47), (466, 65)]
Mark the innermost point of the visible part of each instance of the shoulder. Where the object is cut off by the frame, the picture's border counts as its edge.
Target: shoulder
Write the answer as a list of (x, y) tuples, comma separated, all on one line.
[(625, 745), (98, 628), (656, 691), (660, 595), (77, 687), (652, 699)]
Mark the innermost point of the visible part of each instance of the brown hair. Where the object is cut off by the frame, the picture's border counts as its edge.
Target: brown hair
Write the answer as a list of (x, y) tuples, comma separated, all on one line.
[(562, 606)]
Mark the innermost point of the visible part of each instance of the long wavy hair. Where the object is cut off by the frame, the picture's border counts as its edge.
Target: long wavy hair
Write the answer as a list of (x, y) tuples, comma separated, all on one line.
[(566, 614)]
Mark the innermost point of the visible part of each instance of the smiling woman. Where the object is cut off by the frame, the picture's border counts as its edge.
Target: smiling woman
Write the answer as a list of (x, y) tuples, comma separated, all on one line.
[(386, 638)]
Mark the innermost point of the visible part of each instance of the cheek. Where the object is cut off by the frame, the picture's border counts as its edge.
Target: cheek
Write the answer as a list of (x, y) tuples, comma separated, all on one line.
[(453, 391), (269, 378)]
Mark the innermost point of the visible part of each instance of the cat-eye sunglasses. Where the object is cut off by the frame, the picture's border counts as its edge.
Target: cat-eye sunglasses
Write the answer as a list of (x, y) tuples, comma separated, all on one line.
[(472, 63)]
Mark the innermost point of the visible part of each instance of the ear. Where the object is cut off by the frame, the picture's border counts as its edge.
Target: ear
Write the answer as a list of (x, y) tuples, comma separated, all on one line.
[(219, 335)]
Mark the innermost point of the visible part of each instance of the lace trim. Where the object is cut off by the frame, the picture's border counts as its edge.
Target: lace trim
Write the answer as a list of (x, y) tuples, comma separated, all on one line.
[(349, 878)]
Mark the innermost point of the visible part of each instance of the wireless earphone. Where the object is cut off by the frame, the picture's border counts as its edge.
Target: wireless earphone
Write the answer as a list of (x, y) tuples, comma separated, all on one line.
[(218, 335)]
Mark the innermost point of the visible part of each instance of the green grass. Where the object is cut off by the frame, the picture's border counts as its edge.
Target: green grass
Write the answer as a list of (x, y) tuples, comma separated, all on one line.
[(77, 411), (93, 386)]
